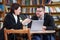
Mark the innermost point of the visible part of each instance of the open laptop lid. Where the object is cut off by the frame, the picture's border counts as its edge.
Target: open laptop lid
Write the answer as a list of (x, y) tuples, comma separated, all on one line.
[(37, 25)]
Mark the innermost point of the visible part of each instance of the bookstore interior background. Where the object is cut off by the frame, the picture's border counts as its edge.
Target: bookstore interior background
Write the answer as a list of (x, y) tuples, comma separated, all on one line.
[(28, 9)]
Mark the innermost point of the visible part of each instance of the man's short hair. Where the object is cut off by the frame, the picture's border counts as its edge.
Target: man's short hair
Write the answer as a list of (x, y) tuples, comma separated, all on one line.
[(41, 7)]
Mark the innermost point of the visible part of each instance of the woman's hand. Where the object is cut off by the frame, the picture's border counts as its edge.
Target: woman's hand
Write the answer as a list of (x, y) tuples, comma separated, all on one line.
[(26, 21)]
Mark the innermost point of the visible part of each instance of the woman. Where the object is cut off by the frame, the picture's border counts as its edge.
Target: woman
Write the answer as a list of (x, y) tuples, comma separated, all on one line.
[(12, 20)]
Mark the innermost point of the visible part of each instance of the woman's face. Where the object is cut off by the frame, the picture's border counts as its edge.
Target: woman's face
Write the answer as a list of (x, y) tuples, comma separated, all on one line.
[(17, 12)]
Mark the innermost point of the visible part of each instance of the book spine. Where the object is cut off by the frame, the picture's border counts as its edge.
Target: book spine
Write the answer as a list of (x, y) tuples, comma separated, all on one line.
[(37, 2), (34, 2), (1, 7), (23, 2), (47, 9), (0, 0), (57, 9), (27, 2), (30, 2), (31, 10), (34, 9), (23, 10), (14, 1)]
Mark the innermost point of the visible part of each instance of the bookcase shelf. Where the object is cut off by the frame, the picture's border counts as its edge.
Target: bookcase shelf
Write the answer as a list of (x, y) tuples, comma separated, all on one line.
[(1, 3), (57, 22), (55, 13), (1, 20), (1, 11), (8, 4), (52, 4), (54, 10), (29, 13), (30, 5)]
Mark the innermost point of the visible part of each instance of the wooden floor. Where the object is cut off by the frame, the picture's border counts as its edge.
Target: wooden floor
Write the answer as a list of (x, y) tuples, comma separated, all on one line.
[(57, 38)]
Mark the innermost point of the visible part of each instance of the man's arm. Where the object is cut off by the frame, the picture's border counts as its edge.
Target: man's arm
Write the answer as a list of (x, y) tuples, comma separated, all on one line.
[(51, 24)]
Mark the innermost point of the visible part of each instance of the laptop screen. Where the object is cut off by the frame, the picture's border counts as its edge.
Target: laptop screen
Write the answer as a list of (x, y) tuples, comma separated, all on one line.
[(37, 25)]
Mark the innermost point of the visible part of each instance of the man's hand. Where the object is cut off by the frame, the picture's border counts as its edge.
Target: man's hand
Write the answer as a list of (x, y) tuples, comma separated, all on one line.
[(44, 28)]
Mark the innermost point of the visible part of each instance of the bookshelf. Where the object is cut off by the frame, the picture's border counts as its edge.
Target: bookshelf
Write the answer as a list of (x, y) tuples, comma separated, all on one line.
[(54, 10), (29, 7), (8, 3), (2, 12), (55, 7)]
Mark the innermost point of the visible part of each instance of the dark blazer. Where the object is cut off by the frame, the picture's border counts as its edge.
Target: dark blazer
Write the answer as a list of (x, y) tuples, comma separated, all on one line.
[(48, 21), (9, 22)]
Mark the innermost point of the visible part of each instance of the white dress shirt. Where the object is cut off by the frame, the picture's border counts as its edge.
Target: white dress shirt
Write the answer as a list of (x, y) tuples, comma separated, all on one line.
[(15, 16)]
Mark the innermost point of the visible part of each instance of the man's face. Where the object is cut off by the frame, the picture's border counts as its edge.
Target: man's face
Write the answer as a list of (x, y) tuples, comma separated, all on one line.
[(40, 12)]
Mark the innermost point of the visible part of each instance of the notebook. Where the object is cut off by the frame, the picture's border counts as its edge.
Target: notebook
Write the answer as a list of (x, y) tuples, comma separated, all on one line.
[(37, 25)]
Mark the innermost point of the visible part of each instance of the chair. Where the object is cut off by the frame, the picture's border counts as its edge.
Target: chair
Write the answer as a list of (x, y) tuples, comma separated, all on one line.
[(20, 31)]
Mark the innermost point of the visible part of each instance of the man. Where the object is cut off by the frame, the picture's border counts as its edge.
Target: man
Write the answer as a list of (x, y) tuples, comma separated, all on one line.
[(48, 22)]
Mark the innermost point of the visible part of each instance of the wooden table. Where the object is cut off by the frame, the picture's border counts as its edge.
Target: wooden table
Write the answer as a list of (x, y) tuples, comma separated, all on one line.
[(21, 31), (47, 31), (26, 30)]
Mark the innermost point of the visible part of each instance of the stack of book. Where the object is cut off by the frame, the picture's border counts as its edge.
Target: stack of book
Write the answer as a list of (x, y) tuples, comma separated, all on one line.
[(31, 2), (0, 0), (55, 1), (56, 18), (8, 2), (52, 9), (7, 8), (29, 10), (1, 7)]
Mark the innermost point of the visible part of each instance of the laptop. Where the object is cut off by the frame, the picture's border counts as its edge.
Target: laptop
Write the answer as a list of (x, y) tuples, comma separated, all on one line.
[(36, 25)]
